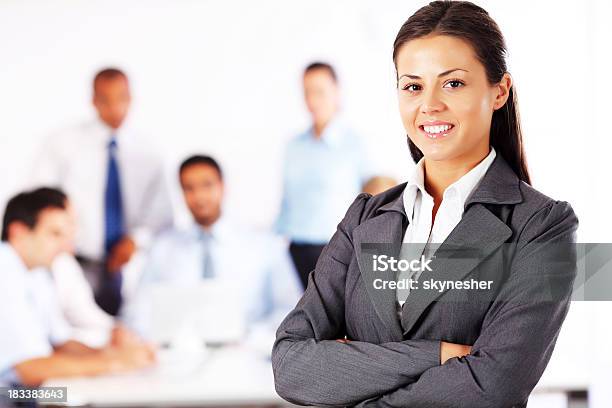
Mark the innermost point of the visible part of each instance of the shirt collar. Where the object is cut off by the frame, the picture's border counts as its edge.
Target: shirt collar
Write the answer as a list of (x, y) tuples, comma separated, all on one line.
[(14, 257), (415, 184), (218, 232), (106, 133), (468, 182), (463, 187)]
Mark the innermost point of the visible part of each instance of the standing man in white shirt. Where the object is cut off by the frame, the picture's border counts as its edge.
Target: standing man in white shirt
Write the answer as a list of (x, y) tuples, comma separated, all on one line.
[(35, 340), (115, 182), (258, 264)]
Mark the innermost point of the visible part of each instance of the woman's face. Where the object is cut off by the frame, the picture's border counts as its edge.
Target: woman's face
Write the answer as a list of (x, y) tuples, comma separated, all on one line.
[(445, 100)]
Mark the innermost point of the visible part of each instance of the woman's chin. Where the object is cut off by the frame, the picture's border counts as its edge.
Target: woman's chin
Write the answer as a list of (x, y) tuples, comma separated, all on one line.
[(437, 153)]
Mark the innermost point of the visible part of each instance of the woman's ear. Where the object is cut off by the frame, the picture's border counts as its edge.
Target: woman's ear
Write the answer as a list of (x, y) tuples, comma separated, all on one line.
[(502, 91)]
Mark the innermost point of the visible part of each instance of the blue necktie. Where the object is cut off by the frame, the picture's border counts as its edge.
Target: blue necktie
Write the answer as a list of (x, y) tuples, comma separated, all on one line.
[(108, 296), (113, 207)]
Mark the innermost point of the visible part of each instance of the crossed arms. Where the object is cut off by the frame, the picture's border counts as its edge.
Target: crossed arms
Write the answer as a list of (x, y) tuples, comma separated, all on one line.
[(505, 363)]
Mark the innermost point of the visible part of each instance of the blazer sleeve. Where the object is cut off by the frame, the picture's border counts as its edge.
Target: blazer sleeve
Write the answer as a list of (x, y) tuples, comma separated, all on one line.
[(519, 330), (311, 367)]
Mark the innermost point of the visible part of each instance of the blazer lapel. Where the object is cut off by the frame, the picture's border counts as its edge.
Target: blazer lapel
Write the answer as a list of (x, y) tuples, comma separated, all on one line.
[(477, 235), (385, 230)]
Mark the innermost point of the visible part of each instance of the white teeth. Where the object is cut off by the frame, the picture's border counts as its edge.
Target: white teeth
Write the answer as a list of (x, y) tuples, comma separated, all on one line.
[(436, 129)]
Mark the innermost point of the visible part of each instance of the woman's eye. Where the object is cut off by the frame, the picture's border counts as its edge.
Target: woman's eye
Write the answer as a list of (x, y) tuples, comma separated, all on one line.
[(454, 84), (411, 87)]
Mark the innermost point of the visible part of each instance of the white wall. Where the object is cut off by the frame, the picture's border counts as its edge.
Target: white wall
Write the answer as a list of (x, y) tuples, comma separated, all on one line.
[(224, 77)]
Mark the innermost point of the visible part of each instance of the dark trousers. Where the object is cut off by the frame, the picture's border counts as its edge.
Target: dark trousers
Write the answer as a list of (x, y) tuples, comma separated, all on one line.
[(109, 296), (106, 285), (305, 258)]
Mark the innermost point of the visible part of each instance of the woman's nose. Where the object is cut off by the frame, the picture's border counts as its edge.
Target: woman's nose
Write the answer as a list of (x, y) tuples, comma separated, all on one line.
[(431, 103)]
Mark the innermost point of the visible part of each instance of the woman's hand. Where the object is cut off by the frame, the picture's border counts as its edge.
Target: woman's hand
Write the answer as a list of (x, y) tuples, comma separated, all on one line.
[(450, 350)]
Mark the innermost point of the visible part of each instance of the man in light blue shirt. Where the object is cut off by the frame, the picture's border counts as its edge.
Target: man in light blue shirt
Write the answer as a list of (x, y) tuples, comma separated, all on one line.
[(35, 342), (264, 281), (325, 168)]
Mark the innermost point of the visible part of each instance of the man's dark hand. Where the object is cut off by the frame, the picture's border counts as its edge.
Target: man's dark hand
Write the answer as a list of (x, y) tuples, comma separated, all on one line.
[(121, 254)]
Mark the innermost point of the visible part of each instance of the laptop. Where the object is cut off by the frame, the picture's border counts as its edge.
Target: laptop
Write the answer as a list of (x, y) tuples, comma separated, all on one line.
[(208, 312)]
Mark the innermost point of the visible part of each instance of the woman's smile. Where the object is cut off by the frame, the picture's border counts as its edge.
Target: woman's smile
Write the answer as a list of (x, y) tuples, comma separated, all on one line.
[(437, 129)]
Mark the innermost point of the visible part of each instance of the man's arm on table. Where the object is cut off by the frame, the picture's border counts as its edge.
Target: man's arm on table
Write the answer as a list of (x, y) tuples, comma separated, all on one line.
[(76, 359)]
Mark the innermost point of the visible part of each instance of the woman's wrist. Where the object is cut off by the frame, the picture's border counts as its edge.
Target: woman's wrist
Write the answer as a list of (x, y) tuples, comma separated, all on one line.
[(451, 350)]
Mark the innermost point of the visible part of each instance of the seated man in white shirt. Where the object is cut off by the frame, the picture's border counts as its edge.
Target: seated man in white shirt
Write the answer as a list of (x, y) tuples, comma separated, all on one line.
[(266, 284), (35, 342)]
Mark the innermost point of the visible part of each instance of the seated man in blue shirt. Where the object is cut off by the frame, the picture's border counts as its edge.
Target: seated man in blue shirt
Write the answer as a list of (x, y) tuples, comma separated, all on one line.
[(35, 340), (264, 282)]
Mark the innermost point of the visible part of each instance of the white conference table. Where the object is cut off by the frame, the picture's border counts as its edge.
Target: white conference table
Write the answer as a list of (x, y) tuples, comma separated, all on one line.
[(231, 376), (236, 375)]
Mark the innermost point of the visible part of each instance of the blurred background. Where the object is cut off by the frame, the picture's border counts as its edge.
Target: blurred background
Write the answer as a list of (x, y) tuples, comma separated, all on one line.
[(224, 78)]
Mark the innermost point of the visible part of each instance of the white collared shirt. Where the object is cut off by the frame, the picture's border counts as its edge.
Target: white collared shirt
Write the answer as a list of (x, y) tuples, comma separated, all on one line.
[(90, 325), (31, 321), (418, 204), (76, 160)]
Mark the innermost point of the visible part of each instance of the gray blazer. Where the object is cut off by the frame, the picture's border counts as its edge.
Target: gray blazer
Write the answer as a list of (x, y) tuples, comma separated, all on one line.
[(393, 363)]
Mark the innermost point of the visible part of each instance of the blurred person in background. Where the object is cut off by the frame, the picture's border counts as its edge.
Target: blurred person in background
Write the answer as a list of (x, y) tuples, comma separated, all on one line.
[(213, 247), (378, 184), (115, 182), (35, 339), (324, 168)]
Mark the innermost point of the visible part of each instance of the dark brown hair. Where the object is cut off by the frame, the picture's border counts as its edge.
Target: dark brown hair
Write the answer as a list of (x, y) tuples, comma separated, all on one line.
[(471, 23), (108, 73), (324, 66), (27, 206), (202, 160)]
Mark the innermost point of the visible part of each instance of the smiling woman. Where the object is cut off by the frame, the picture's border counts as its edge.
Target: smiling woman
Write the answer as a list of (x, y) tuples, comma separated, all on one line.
[(345, 344), (447, 114), (477, 93)]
